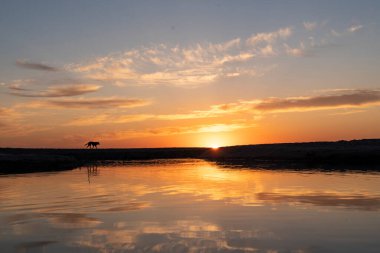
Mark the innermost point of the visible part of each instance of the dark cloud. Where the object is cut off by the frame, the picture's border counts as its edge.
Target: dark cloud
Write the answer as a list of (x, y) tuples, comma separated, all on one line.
[(35, 66), (59, 91), (17, 87), (92, 103), (352, 98)]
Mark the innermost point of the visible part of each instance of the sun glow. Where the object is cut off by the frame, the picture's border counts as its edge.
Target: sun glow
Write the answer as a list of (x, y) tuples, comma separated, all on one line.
[(215, 146)]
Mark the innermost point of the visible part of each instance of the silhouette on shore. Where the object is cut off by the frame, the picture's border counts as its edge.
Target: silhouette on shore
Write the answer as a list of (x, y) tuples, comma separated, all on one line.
[(92, 144)]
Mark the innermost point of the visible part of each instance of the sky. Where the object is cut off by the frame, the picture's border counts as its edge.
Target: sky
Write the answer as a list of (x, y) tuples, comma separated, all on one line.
[(188, 73)]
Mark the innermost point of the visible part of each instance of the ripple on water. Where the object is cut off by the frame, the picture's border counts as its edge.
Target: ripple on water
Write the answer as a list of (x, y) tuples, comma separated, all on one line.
[(189, 205)]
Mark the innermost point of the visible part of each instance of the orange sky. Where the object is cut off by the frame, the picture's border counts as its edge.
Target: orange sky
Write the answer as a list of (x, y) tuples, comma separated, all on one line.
[(202, 76)]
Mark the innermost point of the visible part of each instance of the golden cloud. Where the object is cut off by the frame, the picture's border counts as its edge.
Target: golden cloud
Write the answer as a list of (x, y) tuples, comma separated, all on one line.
[(168, 131)]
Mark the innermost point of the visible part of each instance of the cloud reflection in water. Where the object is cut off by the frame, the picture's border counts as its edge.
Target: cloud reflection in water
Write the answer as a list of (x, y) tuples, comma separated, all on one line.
[(189, 206)]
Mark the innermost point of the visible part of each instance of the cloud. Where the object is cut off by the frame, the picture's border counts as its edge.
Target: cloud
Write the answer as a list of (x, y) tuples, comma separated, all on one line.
[(197, 64), (7, 119), (18, 84), (295, 51), (168, 131), (354, 28), (6, 112), (56, 91), (222, 47), (213, 111), (14, 122), (200, 63), (348, 112), (335, 100), (355, 98), (340, 99), (270, 37), (267, 51), (211, 128), (349, 30), (17, 87), (108, 119), (335, 33), (310, 26), (191, 65), (35, 65), (164, 65), (308, 46), (90, 103)]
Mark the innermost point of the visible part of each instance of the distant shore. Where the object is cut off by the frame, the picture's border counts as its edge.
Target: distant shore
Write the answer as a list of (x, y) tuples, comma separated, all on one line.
[(359, 153)]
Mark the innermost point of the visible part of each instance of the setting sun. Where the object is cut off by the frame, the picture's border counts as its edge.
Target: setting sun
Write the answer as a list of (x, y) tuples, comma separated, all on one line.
[(138, 84), (214, 146), (218, 126)]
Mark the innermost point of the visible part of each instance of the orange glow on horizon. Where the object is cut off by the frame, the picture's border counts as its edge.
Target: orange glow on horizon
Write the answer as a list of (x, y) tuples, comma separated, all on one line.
[(215, 146)]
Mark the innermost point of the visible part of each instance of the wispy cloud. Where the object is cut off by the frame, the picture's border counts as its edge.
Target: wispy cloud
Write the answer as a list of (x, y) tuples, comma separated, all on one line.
[(269, 37), (56, 91), (163, 65), (5, 112), (310, 26), (350, 30), (309, 45), (192, 65), (354, 28), (348, 112), (335, 33), (19, 85), (335, 100), (210, 128), (35, 65), (108, 119), (201, 63), (267, 51), (6, 119), (15, 123), (90, 103), (342, 99), (295, 51), (355, 98), (168, 131)]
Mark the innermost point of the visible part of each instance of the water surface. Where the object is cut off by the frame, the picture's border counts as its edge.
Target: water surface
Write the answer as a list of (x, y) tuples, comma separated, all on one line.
[(189, 206)]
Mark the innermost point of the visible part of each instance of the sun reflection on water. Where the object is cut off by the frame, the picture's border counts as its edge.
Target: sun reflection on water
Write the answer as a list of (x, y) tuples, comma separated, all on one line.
[(185, 205)]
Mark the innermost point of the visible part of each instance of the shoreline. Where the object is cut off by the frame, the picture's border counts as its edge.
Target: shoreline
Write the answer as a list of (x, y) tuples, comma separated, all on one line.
[(355, 153)]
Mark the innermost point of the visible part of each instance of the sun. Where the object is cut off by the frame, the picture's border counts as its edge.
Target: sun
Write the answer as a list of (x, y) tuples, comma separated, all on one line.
[(215, 146)]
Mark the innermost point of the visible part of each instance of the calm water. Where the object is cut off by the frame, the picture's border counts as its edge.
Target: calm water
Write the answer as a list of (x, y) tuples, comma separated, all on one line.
[(189, 206)]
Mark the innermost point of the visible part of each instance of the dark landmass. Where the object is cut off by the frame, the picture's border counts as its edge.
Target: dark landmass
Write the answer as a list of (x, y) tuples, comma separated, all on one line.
[(22, 160), (340, 155)]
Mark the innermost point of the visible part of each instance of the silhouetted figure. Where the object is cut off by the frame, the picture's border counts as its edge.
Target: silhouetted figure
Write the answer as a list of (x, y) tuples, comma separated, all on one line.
[(92, 144)]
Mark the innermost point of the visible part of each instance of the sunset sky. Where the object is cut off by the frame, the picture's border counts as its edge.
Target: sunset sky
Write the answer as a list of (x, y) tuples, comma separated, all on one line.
[(188, 73)]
